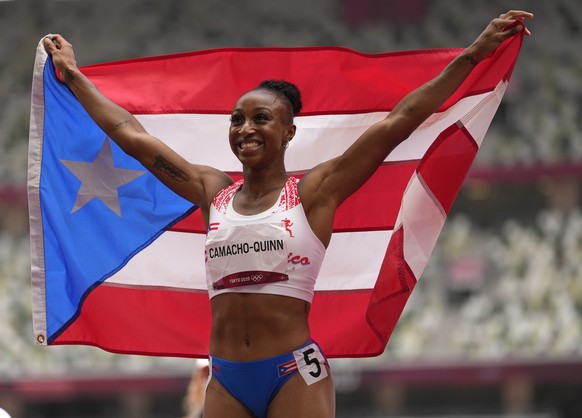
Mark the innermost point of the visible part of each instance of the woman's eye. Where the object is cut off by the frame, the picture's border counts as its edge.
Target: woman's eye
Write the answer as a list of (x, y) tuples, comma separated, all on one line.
[(261, 117), (235, 119)]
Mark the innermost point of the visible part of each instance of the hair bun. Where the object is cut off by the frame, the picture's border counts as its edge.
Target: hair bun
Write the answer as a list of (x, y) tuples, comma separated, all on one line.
[(285, 89)]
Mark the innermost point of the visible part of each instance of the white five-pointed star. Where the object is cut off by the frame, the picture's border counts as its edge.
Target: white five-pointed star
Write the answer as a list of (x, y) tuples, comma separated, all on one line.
[(100, 179)]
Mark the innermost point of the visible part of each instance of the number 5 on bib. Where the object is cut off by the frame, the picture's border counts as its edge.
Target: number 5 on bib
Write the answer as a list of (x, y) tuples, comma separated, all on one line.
[(311, 363)]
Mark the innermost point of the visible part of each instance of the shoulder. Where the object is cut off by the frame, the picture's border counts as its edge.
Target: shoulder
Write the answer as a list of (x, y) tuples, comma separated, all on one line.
[(223, 196), (319, 204), (213, 179), (208, 181), (314, 186)]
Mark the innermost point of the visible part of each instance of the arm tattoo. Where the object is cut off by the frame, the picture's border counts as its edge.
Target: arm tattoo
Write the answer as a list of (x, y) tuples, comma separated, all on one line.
[(129, 122), (122, 124), (170, 170), (471, 59), (69, 76)]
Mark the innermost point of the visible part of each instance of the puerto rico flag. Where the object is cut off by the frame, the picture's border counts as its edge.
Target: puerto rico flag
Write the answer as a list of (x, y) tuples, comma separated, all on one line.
[(118, 259), (286, 368)]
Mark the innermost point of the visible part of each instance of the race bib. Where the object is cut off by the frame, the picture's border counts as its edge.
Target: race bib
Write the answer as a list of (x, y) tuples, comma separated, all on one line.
[(246, 255), (311, 363)]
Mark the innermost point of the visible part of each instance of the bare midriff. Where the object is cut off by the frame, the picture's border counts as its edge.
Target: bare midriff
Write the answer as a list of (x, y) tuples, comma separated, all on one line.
[(250, 326)]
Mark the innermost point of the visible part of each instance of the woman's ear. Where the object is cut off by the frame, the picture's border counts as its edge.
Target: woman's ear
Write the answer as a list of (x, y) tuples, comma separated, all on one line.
[(290, 133)]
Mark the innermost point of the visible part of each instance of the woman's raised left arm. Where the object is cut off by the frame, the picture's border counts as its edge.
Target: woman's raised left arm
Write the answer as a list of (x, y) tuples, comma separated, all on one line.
[(330, 183)]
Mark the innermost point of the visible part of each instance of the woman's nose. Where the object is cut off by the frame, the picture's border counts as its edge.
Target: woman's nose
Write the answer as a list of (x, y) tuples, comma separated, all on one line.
[(247, 128)]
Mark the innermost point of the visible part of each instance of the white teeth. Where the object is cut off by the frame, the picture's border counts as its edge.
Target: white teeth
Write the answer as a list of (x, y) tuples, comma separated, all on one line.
[(248, 145)]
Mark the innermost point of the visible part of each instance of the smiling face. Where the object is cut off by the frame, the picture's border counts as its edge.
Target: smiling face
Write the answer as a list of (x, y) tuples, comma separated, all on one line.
[(260, 127)]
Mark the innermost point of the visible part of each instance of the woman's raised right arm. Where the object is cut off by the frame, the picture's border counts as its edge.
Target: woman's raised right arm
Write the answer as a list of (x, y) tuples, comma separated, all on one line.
[(196, 183)]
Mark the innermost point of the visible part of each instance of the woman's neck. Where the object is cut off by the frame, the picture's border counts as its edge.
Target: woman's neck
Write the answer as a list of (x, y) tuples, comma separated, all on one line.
[(258, 192), (258, 183)]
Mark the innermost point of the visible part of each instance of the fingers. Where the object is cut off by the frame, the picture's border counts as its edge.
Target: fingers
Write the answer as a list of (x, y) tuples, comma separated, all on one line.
[(48, 44), (63, 56), (513, 15), (516, 14), (499, 29), (53, 43)]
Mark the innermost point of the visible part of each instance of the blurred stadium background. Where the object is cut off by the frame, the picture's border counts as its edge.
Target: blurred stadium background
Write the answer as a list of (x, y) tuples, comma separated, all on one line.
[(494, 327)]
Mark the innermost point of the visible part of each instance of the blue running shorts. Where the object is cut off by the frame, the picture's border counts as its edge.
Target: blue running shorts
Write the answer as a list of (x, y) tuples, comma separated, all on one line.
[(255, 383)]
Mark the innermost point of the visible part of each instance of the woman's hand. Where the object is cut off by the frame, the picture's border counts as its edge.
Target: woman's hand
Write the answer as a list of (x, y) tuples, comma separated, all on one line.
[(63, 57), (495, 33)]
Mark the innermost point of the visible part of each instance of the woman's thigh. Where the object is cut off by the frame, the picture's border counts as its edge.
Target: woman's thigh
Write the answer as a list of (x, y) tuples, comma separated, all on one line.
[(297, 399), (219, 403)]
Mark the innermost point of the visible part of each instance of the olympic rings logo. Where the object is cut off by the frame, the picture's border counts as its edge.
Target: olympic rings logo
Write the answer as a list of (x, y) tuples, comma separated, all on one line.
[(257, 278)]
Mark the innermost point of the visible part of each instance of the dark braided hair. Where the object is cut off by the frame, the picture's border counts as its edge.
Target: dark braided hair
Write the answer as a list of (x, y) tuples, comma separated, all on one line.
[(286, 91)]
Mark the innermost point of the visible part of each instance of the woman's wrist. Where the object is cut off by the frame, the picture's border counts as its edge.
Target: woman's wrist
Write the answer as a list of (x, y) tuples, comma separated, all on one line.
[(69, 75), (471, 60), (471, 56)]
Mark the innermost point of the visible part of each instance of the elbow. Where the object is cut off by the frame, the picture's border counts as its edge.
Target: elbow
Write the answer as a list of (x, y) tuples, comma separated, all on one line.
[(128, 134)]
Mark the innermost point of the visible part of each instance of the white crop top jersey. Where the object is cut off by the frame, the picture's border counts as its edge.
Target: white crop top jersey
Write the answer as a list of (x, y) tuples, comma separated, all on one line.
[(273, 252)]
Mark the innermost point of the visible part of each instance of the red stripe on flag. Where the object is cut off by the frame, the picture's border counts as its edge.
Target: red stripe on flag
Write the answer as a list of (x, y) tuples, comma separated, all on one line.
[(393, 287), (212, 81), (338, 321), (373, 207), (376, 204), (446, 163), (142, 321), (192, 223), (176, 323)]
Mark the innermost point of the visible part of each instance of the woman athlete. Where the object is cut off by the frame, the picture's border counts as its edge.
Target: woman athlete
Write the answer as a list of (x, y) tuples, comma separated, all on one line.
[(263, 362)]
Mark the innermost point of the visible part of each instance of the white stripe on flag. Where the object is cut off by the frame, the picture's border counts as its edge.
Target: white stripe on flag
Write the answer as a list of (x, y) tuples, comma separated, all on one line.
[(421, 227), (360, 269), (486, 109), (319, 138), (173, 260), (176, 260)]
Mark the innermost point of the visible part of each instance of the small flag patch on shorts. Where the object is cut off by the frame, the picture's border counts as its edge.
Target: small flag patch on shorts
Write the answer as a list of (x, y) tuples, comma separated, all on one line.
[(285, 368)]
